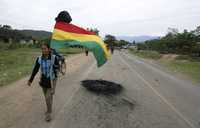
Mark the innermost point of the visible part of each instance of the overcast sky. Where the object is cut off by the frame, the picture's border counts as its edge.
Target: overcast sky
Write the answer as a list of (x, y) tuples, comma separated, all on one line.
[(117, 17)]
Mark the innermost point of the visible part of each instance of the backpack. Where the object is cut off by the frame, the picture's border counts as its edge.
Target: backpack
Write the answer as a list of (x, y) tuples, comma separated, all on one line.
[(61, 60)]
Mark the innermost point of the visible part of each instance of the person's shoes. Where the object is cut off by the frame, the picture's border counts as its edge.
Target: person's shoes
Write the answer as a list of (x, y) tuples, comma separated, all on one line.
[(48, 117)]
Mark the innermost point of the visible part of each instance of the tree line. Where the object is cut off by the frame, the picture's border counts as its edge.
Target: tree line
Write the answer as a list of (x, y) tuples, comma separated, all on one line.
[(111, 41), (186, 42), (7, 33)]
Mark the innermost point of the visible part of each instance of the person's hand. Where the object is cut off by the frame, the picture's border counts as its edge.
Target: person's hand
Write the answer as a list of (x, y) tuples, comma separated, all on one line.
[(29, 83)]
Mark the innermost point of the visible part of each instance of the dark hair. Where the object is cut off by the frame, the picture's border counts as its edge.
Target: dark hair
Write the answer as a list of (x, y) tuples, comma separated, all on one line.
[(47, 45), (63, 16)]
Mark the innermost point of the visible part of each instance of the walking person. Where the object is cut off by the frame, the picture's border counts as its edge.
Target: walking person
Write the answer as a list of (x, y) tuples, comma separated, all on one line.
[(49, 66)]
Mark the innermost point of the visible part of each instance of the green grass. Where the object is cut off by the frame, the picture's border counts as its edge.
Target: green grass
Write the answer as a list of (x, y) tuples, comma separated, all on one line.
[(14, 64), (145, 54), (187, 65), (17, 63)]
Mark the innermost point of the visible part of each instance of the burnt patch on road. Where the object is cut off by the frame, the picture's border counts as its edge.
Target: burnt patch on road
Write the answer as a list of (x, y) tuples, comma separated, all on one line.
[(102, 86)]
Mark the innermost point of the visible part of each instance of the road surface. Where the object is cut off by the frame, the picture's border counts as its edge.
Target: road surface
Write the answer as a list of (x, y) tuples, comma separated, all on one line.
[(151, 98)]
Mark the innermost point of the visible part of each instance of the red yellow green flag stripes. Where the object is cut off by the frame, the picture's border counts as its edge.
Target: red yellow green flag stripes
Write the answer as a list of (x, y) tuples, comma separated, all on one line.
[(68, 34)]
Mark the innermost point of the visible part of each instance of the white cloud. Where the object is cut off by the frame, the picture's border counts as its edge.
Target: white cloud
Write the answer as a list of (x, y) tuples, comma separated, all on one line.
[(122, 17)]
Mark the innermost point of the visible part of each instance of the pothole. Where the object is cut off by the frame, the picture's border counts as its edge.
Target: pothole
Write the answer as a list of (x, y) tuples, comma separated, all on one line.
[(102, 86)]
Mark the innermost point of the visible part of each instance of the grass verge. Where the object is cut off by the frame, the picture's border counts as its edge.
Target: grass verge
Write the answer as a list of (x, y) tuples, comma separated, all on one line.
[(182, 64), (17, 63), (189, 67), (14, 64), (146, 54)]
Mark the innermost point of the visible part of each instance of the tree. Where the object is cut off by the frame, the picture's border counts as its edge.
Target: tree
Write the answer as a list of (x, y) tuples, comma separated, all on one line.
[(7, 33), (196, 49), (196, 32), (95, 30), (141, 46), (173, 31), (186, 42), (123, 43), (110, 40), (8, 27)]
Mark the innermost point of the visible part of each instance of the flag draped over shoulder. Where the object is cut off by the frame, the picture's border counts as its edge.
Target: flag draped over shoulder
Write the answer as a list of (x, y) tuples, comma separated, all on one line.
[(66, 34)]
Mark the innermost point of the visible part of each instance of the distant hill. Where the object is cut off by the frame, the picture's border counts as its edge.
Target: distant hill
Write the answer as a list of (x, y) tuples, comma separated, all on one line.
[(137, 38), (36, 34), (7, 33)]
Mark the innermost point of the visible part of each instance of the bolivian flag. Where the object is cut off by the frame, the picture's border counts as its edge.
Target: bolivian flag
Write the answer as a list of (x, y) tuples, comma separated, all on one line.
[(65, 34)]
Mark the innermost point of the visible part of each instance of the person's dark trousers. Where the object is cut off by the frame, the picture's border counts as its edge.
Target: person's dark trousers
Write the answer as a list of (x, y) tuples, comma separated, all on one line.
[(48, 98), (48, 94), (86, 52)]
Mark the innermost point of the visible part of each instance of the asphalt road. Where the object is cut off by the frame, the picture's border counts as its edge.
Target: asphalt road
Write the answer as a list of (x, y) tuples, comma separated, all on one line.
[(151, 98)]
